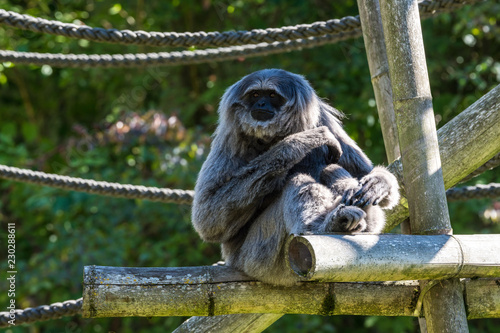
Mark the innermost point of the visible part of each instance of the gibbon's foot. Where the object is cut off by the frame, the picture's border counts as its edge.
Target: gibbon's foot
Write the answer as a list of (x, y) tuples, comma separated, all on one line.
[(345, 219)]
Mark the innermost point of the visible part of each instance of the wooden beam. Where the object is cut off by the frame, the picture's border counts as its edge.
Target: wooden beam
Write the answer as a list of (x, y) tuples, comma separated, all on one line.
[(248, 323), (391, 257), (222, 292), (373, 37)]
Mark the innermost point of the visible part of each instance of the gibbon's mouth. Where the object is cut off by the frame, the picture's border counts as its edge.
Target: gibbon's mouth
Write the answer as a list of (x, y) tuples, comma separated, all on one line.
[(262, 114)]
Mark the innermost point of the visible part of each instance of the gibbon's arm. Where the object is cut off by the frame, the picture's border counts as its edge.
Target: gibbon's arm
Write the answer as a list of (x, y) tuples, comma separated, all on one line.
[(353, 159), (377, 186), (225, 200)]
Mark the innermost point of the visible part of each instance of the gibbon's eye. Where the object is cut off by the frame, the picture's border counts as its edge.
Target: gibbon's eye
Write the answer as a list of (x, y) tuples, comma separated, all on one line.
[(272, 95), (255, 94)]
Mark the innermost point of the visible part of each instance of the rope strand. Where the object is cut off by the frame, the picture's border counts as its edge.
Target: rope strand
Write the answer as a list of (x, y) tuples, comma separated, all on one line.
[(201, 38), (97, 187), (317, 34), (42, 313), (170, 58), (491, 191), (186, 196)]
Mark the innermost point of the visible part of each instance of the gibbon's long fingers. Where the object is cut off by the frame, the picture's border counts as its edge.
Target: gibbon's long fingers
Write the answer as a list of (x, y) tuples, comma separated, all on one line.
[(354, 217), (367, 194), (348, 197), (363, 202), (353, 223), (382, 197), (366, 185), (334, 150)]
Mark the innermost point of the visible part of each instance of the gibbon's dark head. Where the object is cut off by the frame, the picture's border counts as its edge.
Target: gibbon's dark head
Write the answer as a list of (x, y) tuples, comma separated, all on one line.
[(269, 104)]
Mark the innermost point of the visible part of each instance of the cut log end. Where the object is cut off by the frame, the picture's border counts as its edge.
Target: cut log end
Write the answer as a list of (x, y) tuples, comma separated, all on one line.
[(300, 257)]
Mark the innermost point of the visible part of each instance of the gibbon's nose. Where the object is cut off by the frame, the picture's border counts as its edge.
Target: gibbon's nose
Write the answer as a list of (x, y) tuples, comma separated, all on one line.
[(262, 114)]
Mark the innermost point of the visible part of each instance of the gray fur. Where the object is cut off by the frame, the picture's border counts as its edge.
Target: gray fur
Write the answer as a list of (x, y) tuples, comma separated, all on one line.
[(294, 173)]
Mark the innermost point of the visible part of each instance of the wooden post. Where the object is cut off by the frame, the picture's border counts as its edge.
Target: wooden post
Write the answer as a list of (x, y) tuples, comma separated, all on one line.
[(376, 53), (373, 36), (443, 304), (422, 172), (232, 301)]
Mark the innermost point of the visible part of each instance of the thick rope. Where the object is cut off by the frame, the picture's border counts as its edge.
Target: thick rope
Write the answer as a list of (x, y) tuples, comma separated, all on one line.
[(178, 196), (428, 8), (491, 191), (170, 58), (43, 312), (201, 38), (97, 187), (184, 39)]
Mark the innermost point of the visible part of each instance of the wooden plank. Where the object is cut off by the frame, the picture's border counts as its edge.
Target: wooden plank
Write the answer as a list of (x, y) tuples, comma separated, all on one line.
[(191, 291)]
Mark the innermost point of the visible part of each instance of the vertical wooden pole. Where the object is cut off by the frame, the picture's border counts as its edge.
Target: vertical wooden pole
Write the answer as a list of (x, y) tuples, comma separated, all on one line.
[(443, 303), (415, 117), (373, 36)]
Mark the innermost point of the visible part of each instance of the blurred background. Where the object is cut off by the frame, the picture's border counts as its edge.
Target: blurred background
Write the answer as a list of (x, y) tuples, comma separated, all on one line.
[(152, 127)]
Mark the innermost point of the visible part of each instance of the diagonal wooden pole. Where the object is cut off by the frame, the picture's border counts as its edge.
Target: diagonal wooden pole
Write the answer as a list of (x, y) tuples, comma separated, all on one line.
[(443, 303)]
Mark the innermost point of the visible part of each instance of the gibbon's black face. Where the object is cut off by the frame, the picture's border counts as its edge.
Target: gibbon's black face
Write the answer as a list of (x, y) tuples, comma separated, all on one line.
[(264, 104)]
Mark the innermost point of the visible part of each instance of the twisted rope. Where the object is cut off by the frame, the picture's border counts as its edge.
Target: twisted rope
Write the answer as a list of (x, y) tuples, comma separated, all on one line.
[(178, 196), (183, 39), (201, 38), (43, 312), (345, 28), (97, 187), (491, 191), (429, 7), (170, 58)]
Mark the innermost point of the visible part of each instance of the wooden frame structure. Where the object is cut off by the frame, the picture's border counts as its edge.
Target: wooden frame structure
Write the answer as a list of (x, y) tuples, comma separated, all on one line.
[(402, 91)]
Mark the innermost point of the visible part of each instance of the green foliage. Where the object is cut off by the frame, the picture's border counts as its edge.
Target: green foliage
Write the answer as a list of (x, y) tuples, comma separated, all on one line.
[(151, 127)]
